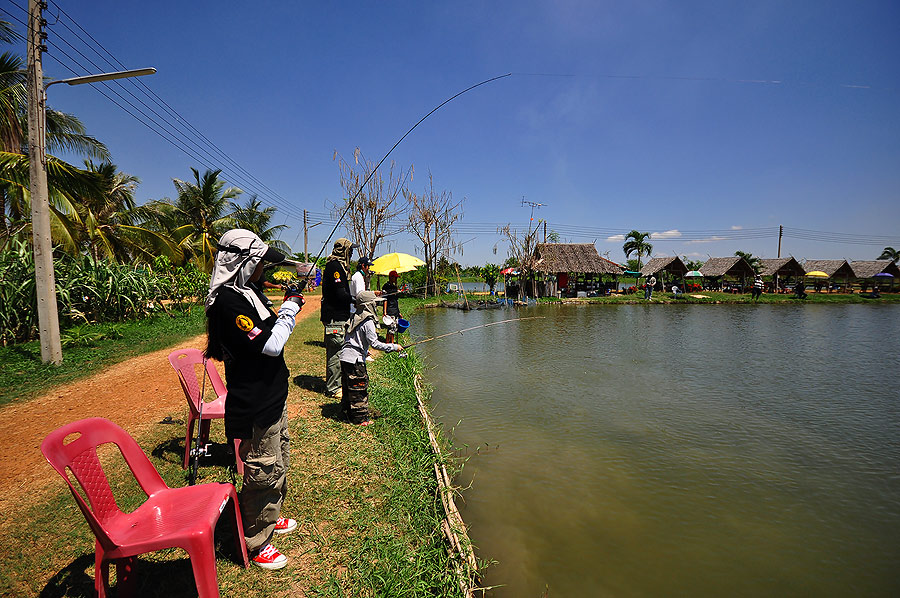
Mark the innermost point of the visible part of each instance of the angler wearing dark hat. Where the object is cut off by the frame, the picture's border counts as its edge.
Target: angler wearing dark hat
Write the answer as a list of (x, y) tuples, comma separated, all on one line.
[(336, 302), (354, 376), (249, 337)]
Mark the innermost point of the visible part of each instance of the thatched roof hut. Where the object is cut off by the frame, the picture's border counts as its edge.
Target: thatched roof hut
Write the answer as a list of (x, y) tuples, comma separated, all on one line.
[(576, 258), (830, 267), (781, 266), (869, 269), (672, 265), (727, 266)]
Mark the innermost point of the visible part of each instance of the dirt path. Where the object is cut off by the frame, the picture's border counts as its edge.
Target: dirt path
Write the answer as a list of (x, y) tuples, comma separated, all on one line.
[(135, 394)]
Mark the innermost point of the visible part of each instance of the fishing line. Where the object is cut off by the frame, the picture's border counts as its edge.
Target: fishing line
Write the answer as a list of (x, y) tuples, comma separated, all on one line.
[(433, 338), (380, 162), (698, 79)]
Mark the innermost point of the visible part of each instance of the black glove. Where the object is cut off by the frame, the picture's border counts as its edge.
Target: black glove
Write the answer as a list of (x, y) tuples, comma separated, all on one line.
[(294, 294)]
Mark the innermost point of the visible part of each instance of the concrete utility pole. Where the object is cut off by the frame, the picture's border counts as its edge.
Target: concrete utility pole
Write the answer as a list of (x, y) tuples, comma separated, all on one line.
[(780, 233), (45, 281), (44, 277), (306, 227)]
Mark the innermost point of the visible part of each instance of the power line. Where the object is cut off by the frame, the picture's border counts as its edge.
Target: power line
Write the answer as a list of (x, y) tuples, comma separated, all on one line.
[(174, 134), (162, 103)]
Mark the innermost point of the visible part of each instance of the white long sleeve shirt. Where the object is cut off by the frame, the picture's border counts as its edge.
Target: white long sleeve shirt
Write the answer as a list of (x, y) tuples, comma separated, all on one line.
[(357, 284), (357, 343)]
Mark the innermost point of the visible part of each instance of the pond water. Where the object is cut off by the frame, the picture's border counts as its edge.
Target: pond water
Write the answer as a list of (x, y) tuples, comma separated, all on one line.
[(667, 450)]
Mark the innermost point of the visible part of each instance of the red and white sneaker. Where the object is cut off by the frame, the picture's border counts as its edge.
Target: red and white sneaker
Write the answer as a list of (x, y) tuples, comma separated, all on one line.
[(269, 558), (285, 525)]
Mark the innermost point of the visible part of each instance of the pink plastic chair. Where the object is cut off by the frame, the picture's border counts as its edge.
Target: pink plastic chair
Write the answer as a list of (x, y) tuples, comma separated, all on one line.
[(170, 517), (184, 360)]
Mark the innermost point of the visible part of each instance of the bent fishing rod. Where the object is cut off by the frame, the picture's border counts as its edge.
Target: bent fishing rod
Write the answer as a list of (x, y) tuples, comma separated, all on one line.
[(434, 338), (305, 280)]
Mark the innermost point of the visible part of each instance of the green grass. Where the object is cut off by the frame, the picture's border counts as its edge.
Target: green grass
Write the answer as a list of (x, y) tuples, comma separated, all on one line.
[(712, 297), (23, 375), (365, 499)]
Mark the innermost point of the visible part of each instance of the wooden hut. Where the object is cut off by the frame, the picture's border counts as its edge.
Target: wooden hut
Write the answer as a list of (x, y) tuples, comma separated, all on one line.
[(835, 269), (781, 269), (867, 272), (716, 269), (665, 269), (570, 268)]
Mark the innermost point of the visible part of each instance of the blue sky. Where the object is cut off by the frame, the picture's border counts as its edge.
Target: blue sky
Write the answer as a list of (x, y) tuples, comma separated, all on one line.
[(693, 120)]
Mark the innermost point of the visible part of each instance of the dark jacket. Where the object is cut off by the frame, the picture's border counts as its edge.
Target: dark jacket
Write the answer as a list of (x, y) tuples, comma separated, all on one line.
[(257, 383), (335, 293)]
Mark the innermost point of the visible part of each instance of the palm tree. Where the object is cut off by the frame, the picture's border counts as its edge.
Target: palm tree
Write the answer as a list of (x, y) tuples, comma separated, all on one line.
[(64, 132), (636, 242), (108, 221), (251, 217), (890, 253), (198, 217), (751, 259)]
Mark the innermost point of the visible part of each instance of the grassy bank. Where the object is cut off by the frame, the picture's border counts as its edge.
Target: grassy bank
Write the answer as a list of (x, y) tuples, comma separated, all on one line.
[(365, 499), (88, 350), (710, 297)]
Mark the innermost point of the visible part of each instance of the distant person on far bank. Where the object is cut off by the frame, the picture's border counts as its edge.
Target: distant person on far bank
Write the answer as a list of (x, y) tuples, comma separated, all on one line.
[(648, 288), (756, 291), (391, 304), (800, 290)]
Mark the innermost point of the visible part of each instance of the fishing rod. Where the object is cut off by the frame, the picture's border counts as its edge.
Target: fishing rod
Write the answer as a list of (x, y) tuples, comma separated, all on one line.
[(305, 280), (434, 338)]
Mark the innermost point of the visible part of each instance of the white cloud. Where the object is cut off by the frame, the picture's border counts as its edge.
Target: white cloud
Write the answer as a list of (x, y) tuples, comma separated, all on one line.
[(737, 227), (708, 240), (669, 234), (615, 238)]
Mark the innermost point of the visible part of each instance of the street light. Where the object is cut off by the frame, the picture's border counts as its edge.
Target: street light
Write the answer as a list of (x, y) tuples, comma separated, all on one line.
[(45, 282)]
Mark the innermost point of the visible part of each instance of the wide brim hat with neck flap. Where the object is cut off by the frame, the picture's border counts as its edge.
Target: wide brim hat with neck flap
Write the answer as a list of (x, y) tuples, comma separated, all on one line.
[(365, 308), (240, 252)]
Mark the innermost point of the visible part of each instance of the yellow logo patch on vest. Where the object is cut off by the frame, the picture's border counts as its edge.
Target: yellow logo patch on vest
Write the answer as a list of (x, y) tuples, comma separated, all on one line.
[(337, 275), (244, 323)]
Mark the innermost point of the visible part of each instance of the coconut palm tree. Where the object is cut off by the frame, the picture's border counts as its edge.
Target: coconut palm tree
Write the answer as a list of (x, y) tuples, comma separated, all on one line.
[(251, 217), (109, 222), (198, 217), (890, 253), (636, 242), (64, 133), (751, 259)]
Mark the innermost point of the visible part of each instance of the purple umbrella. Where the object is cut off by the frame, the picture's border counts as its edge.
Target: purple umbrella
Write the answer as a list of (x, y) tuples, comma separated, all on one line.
[(883, 275)]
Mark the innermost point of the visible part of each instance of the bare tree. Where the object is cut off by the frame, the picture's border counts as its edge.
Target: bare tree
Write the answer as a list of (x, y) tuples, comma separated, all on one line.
[(370, 219), (431, 219), (521, 249)]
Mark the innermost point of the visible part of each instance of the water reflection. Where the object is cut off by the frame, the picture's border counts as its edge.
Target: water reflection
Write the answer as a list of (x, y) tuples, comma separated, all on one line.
[(677, 450)]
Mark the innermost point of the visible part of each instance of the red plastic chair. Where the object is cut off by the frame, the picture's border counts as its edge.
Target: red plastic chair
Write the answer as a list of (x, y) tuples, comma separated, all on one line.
[(170, 517), (184, 360)]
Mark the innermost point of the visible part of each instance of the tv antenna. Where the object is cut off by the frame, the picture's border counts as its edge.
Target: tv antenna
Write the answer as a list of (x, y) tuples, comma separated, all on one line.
[(533, 205)]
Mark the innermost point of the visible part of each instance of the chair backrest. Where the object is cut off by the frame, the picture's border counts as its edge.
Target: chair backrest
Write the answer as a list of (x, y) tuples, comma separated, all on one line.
[(183, 361), (74, 447)]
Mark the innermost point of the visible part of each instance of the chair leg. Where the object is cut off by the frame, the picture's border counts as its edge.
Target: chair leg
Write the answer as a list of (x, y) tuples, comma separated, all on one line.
[(187, 440), (238, 528), (238, 462), (101, 572), (203, 561), (126, 580), (204, 431)]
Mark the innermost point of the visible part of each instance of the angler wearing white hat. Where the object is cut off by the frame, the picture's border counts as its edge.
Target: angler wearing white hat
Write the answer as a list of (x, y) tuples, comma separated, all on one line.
[(249, 337)]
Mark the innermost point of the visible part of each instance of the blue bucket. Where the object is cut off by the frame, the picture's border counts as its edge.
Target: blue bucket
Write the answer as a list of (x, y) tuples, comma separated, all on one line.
[(402, 325)]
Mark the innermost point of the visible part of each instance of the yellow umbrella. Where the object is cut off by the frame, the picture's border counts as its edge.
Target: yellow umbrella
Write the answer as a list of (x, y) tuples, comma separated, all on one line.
[(818, 273), (401, 262)]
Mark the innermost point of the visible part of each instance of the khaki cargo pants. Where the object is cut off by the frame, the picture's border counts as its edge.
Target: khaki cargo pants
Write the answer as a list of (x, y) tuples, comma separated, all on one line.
[(266, 459)]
